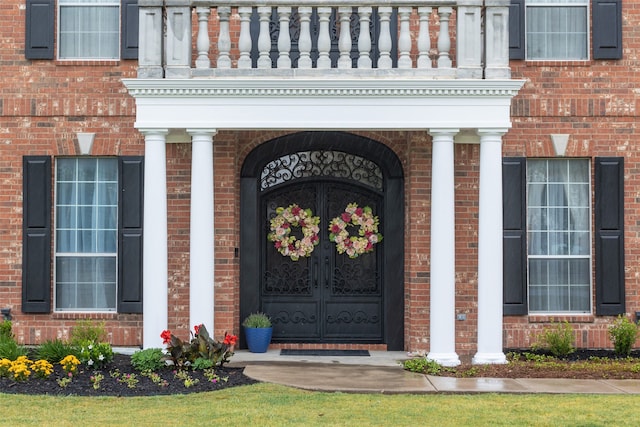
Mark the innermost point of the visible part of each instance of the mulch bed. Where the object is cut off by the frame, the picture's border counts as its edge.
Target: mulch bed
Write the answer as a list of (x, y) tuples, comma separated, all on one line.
[(81, 384), (576, 366)]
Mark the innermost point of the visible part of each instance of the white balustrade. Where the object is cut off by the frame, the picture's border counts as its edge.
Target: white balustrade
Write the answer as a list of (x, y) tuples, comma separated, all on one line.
[(314, 34)]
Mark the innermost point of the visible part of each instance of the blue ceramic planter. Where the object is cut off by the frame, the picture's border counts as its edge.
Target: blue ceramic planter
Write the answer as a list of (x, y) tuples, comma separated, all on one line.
[(258, 339)]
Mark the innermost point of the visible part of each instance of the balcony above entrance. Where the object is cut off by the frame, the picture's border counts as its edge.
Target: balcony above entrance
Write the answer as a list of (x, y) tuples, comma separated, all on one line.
[(434, 39)]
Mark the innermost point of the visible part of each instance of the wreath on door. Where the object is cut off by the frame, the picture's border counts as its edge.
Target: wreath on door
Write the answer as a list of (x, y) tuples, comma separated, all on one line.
[(367, 237), (283, 223)]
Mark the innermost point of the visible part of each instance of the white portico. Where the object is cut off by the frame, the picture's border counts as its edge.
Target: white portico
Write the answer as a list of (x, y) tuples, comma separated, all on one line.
[(469, 103)]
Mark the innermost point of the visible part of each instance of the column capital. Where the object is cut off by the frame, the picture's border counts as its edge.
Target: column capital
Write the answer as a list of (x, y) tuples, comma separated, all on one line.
[(443, 131), (492, 131), (157, 131), (202, 131)]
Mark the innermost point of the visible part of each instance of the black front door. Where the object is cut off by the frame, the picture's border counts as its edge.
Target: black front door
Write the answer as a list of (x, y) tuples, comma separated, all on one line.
[(326, 296)]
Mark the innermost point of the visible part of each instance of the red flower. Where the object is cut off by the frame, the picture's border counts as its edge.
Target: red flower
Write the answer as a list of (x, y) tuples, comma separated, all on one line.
[(296, 210), (197, 328), (346, 217), (335, 228), (166, 337), (278, 244), (229, 339), (359, 211)]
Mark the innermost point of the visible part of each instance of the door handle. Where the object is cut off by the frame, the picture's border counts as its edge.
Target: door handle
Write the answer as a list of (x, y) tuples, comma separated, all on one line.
[(315, 272), (326, 272)]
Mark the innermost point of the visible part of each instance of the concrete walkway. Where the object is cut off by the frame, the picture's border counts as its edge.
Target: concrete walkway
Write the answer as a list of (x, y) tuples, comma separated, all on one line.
[(381, 372)]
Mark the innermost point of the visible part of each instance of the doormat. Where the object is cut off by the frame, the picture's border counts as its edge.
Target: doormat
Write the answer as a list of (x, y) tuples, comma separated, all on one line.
[(296, 352)]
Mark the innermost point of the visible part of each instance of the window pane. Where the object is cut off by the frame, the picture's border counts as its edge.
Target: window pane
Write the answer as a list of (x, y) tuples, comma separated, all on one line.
[(559, 236), (87, 225), (89, 30), (556, 31)]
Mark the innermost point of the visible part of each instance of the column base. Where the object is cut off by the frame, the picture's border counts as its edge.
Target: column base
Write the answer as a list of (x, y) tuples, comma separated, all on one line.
[(489, 359), (444, 359)]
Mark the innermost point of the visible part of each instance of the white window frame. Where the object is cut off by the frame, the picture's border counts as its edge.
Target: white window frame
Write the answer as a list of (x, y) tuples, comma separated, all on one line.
[(61, 4), (61, 254), (559, 4), (588, 256)]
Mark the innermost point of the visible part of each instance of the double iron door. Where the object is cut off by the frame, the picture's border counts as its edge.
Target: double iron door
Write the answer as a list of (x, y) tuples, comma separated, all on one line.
[(326, 297)]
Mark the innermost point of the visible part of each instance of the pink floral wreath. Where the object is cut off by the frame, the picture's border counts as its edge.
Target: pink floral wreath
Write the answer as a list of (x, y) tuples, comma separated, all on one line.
[(284, 221), (368, 235)]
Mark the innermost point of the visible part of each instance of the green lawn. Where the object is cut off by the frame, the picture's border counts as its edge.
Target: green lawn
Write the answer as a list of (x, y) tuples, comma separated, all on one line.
[(272, 405)]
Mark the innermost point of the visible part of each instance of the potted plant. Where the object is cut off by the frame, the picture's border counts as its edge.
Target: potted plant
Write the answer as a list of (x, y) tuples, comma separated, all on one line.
[(257, 330)]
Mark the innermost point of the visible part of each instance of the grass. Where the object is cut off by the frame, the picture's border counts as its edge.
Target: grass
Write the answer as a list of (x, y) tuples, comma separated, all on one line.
[(274, 405)]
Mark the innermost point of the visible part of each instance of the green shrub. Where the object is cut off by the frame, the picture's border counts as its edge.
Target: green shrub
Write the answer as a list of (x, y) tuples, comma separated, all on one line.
[(148, 360), (5, 329), (623, 334), (88, 330), (558, 339), (53, 351), (423, 365), (9, 349)]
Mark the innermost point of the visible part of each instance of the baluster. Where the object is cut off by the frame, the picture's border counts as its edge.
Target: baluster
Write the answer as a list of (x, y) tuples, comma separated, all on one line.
[(284, 38), (324, 42), (444, 41), (224, 39), (244, 41), (384, 42), (404, 40), (424, 38), (202, 40), (364, 39), (304, 42), (264, 38), (344, 41)]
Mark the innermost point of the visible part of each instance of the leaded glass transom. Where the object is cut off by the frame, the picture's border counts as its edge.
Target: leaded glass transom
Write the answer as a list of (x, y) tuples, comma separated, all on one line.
[(305, 164)]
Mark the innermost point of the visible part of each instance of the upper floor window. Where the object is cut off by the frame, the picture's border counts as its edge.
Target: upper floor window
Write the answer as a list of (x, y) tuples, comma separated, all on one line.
[(89, 29), (565, 30), (557, 29)]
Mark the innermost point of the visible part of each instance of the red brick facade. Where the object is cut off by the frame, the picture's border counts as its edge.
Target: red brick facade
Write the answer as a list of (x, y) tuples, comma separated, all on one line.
[(43, 104)]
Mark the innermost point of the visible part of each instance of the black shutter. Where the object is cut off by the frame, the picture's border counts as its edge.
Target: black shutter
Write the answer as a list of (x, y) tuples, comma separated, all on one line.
[(129, 48), (609, 217), (39, 29), (514, 221), (516, 29), (36, 234), (130, 225), (607, 29)]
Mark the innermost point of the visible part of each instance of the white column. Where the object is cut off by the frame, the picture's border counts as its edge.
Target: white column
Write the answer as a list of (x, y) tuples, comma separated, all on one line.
[(443, 275), (201, 267), (154, 263), (490, 249)]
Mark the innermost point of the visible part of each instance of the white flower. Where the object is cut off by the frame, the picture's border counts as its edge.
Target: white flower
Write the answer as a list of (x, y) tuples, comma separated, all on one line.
[(90, 362), (101, 357)]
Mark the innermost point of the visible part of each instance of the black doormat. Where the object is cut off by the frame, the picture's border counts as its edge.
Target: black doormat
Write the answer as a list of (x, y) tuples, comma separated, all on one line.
[(296, 352)]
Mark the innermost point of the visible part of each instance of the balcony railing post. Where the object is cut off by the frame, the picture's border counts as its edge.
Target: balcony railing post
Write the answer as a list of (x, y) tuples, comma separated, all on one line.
[(178, 48), (324, 41), (284, 39), (264, 37), (404, 39), (202, 41), (444, 39), (497, 40), (384, 42), (424, 38), (364, 38), (224, 38), (244, 40), (150, 40), (344, 40), (468, 40), (304, 42)]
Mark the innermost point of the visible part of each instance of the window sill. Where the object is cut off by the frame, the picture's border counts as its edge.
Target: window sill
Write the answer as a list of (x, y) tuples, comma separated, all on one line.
[(79, 315), (571, 318), (87, 62)]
